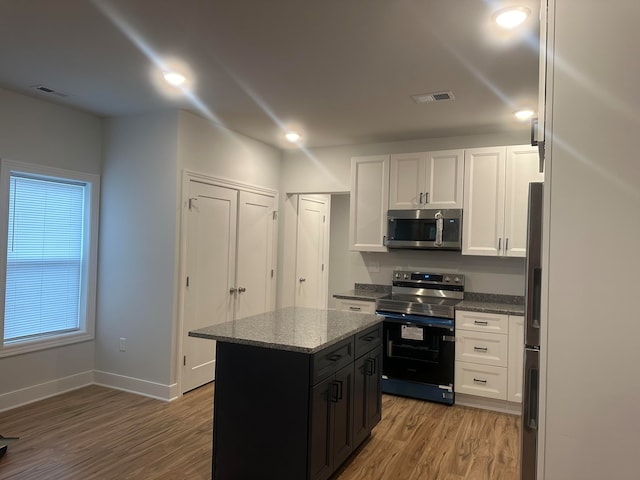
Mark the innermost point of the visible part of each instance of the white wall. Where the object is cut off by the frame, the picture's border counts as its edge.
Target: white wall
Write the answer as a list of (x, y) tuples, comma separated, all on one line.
[(592, 326), (136, 274), (37, 131), (329, 170), (204, 147)]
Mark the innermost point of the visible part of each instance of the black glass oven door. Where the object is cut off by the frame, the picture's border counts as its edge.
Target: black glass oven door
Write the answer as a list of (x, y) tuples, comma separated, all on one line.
[(419, 353)]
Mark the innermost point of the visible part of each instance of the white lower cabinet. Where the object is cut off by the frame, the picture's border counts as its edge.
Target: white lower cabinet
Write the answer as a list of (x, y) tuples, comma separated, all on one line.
[(362, 306), (516, 358), (481, 380), (489, 349)]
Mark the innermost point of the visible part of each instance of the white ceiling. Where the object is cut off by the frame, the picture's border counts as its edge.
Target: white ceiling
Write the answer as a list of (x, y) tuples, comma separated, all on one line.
[(341, 71)]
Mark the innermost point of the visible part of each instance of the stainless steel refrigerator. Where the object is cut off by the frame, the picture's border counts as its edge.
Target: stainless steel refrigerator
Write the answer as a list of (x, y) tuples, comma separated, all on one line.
[(531, 371)]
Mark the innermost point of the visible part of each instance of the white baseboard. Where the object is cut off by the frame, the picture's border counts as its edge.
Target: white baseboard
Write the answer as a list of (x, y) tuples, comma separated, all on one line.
[(136, 385), (488, 404), (44, 390)]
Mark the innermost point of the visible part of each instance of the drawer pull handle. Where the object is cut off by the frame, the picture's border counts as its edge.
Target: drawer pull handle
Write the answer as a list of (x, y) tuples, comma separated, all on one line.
[(480, 349), (371, 366), (480, 322), (335, 357), (368, 338), (479, 380), (355, 309)]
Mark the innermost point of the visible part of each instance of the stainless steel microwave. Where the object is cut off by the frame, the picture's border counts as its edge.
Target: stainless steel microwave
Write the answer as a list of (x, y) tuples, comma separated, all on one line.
[(437, 229)]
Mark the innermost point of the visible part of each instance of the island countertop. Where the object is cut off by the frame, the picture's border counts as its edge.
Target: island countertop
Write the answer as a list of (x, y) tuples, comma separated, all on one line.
[(296, 329)]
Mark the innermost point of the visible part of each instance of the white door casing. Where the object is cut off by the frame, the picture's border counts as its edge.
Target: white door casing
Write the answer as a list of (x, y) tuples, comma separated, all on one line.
[(210, 270), (312, 252)]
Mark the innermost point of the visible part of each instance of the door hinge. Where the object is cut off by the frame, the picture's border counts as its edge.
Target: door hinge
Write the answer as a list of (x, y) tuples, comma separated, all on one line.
[(272, 273), (275, 214), (187, 281), (323, 267), (191, 200), (323, 218), (184, 360)]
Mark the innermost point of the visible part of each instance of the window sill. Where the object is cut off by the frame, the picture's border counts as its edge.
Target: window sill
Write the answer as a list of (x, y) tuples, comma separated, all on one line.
[(19, 348)]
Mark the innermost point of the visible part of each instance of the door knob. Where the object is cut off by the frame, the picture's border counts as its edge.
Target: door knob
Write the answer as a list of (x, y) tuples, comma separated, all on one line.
[(242, 289), (302, 279)]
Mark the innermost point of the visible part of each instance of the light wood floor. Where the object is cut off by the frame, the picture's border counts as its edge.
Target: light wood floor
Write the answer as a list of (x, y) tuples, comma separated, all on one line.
[(99, 433)]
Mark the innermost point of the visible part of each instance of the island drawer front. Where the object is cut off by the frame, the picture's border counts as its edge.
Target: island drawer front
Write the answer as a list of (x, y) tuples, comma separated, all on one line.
[(368, 340), (328, 361)]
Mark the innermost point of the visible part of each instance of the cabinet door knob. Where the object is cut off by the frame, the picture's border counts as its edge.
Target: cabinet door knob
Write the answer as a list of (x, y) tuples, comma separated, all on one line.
[(233, 290), (302, 279), (242, 290), (420, 198)]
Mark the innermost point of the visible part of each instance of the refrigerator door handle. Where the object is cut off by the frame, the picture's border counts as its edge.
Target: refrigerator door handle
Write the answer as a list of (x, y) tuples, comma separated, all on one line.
[(531, 412), (537, 298)]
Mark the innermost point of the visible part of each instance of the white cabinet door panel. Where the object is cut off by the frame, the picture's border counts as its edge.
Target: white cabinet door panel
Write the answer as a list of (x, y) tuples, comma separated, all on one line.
[(480, 347), (481, 380), (521, 169), (483, 223), (482, 322), (516, 358), (406, 181), (368, 203), (444, 173)]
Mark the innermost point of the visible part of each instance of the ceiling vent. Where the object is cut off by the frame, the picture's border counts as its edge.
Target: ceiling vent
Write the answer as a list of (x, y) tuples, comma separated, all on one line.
[(432, 97), (48, 91)]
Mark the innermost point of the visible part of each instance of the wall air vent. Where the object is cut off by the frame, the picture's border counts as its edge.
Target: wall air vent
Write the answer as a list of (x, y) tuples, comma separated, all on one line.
[(432, 97), (48, 90)]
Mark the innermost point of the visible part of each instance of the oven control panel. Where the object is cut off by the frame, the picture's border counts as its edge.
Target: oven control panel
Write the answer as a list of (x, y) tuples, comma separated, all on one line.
[(428, 278)]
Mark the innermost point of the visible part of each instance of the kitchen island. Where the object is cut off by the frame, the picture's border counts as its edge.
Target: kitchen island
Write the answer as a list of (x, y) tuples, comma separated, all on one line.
[(297, 390)]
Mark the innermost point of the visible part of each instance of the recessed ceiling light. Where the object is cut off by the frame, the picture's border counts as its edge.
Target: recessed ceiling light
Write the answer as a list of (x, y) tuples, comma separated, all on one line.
[(292, 136), (511, 17), (174, 78), (524, 114)]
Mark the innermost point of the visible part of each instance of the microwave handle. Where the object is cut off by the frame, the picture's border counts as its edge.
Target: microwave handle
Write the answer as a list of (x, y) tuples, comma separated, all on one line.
[(439, 228)]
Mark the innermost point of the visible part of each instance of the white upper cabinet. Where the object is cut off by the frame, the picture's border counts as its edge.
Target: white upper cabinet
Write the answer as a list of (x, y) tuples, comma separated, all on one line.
[(522, 169), (426, 180), (496, 186), (368, 204)]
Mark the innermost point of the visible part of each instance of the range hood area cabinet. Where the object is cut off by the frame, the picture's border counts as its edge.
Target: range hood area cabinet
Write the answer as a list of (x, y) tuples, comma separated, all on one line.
[(426, 180), (496, 186), (404, 181)]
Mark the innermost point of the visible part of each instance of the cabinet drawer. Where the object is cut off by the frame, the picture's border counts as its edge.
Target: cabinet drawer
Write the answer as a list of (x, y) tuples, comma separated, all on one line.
[(368, 340), (481, 347), (482, 322), (481, 380), (361, 306), (328, 361)]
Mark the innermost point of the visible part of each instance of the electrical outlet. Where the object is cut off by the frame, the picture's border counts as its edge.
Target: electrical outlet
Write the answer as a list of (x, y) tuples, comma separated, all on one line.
[(123, 344)]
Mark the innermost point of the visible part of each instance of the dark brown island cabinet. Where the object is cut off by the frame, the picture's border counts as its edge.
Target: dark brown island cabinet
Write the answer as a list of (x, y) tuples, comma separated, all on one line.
[(292, 415)]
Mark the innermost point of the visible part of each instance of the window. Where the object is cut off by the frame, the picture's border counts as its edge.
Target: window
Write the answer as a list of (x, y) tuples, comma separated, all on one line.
[(48, 235)]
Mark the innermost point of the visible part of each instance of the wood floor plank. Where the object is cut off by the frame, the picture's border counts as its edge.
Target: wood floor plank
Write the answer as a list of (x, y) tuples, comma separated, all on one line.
[(100, 433)]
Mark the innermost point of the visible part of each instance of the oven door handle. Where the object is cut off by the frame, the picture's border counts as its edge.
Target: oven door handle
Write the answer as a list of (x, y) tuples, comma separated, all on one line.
[(420, 320)]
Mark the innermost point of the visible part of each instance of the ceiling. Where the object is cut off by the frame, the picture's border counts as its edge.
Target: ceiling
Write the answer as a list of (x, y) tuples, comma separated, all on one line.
[(339, 71)]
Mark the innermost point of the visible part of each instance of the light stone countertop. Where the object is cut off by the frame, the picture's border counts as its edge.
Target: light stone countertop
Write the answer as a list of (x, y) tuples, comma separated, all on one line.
[(305, 330), (491, 303)]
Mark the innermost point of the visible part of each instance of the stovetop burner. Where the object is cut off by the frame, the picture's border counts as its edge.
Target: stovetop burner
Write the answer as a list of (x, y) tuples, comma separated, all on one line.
[(423, 293)]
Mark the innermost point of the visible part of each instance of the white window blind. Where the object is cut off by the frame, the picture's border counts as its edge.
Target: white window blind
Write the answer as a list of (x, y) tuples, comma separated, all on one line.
[(44, 257)]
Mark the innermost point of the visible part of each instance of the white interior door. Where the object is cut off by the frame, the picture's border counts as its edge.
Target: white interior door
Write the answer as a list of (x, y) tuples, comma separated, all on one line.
[(311, 252), (255, 264), (210, 269)]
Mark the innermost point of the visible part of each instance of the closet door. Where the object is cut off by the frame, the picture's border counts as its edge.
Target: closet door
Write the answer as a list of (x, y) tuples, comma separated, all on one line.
[(211, 269), (256, 254)]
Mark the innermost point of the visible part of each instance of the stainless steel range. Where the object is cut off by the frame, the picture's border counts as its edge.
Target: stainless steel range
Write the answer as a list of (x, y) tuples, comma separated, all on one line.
[(419, 334)]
